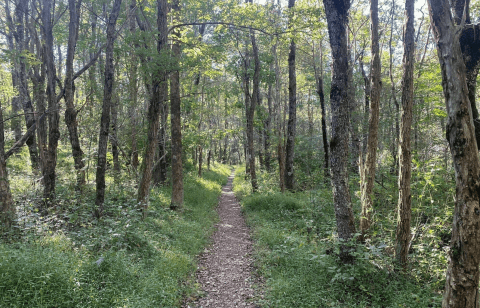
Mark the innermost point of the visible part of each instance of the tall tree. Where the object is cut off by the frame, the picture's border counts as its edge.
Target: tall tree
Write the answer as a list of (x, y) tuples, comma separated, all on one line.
[(70, 111), (175, 119), (292, 107), (158, 94), (368, 174), (461, 286), (50, 161), (254, 99), (404, 150), (321, 95), (106, 106), (337, 17), (7, 208)]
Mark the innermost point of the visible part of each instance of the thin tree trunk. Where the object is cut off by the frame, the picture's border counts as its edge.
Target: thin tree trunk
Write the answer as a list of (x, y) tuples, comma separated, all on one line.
[(107, 102), (292, 108), (404, 150), (251, 111), (321, 95), (175, 120), (337, 17), (394, 96), (461, 286), (12, 32), (113, 135), (53, 114), (372, 143), (7, 208), (133, 88), (70, 110), (200, 160)]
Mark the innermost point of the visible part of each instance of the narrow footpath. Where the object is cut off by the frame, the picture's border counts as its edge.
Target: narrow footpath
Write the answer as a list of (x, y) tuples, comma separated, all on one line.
[(225, 267)]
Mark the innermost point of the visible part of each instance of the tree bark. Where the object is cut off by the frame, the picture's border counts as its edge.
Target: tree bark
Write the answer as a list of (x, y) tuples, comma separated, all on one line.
[(7, 208), (251, 111), (106, 106), (175, 120), (158, 90), (321, 95), (461, 286), (133, 88), (292, 108), (394, 96), (70, 110), (371, 154), (337, 17), (114, 137), (50, 162), (404, 150)]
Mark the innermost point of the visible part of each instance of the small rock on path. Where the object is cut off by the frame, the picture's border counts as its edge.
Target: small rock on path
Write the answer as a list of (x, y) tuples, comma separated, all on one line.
[(225, 267)]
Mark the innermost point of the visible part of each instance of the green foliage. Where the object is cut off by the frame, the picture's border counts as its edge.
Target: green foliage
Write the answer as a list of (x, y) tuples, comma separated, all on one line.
[(296, 253), (70, 259)]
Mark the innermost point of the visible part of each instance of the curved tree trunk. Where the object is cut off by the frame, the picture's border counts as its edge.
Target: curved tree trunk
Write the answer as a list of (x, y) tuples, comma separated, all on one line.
[(337, 17), (404, 150), (368, 173), (461, 286)]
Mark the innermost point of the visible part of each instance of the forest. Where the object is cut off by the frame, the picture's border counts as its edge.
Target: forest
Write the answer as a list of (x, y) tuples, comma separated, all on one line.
[(349, 129)]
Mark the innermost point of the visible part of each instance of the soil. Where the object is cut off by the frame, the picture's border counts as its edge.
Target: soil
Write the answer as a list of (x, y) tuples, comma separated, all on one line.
[(225, 268)]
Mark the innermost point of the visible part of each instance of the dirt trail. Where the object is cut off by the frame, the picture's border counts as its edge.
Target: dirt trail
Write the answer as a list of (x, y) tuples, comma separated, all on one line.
[(225, 267)]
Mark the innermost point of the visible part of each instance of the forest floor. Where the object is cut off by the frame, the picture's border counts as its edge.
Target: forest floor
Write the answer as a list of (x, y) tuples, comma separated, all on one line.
[(225, 267)]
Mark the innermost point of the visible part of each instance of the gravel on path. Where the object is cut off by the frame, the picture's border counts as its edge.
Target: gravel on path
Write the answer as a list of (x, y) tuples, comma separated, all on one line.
[(225, 268)]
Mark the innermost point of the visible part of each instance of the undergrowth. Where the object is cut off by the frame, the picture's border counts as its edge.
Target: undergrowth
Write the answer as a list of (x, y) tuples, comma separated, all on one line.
[(296, 253), (69, 259)]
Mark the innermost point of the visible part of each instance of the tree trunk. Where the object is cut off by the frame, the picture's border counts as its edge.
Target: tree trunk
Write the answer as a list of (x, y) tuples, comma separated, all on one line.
[(209, 158), (158, 92), (267, 127), (175, 120), (53, 114), (113, 136), (70, 110), (404, 150), (251, 111), (469, 44), (394, 96), (371, 154), (7, 208), (200, 160), (321, 95), (292, 108), (337, 17), (107, 102), (461, 286)]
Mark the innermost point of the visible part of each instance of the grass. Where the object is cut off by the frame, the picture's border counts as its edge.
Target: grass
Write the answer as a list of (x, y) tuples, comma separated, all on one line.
[(69, 259), (296, 247)]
